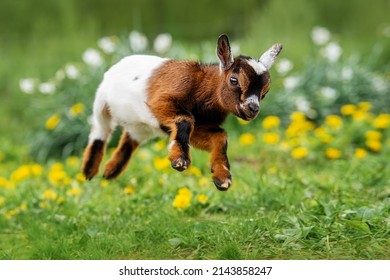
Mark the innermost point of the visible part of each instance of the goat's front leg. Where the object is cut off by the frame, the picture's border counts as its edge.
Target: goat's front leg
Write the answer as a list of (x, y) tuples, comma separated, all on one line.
[(179, 146), (215, 141)]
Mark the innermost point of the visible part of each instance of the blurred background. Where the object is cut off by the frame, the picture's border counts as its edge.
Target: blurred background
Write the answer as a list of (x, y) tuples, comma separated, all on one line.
[(37, 38)]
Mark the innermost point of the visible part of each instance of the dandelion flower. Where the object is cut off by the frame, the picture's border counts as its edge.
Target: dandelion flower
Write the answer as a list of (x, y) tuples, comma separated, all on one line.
[(332, 153), (104, 183), (348, 109), (53, 121), (161, 163), (365, 106), (193, 170), (334, 121), (20, 174), (202, 198), (382, 121), (271, 138), (76, 109), (181, 202), (49, 194), (283, 66), (374, 145), (270, 122), (299, 152), (360, 153), (36, 169), (129, 190), (246, 139), (185, 192), (75, 191), (373, 135)]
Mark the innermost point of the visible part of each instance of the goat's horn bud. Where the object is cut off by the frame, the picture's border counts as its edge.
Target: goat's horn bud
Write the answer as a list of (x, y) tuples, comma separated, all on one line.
[(268, 58)]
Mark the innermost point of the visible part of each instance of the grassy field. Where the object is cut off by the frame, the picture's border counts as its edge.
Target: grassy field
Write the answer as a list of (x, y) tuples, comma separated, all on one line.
[(293, 197)]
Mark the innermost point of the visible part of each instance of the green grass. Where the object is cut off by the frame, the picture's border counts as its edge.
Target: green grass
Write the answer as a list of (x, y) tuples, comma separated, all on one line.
[(277, 208)]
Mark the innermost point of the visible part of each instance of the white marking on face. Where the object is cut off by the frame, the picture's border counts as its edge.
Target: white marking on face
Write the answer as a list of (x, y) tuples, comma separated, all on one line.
[(252, 99), (257, 66)]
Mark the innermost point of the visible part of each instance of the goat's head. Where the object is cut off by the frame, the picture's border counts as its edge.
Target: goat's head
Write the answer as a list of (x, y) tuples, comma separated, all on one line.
[(245, 81)]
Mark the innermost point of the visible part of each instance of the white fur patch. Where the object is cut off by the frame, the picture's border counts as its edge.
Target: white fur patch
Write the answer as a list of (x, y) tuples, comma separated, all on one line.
[(257, 66), (252, 99), (124, 91)]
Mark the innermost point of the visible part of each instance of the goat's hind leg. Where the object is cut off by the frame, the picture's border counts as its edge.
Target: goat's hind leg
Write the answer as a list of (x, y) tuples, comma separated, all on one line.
[(121, 156), (101, 130)]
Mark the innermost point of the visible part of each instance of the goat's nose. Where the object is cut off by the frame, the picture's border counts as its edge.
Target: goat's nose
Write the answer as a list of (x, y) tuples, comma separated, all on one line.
[(254, 108)]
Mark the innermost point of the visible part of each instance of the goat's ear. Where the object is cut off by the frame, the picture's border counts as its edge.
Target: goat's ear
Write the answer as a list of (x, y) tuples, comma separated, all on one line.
[(223, 52), (268, 58)]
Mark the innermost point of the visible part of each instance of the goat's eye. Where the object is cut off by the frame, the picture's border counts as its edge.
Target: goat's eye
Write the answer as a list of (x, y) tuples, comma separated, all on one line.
[(234, 81)]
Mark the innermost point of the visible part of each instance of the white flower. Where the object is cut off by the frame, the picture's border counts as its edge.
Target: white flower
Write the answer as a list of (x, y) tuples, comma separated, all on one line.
[(283, 66), (71, 71), (47, 88), (107, 45), (320, 35), (346, 73), (332, 51), (379, 83), (92, 57), (328, 92), (291, 82), (138, 41), (27, 85), (162, 43), (302, 105)]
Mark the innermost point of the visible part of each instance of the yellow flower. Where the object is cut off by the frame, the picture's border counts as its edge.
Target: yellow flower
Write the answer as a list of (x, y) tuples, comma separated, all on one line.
[(11, 213), (185, 192), (21, 173), (360, 153), (332, 153), (348, 109), (159, 145), (73, 161), (57, 176), (4, 183), (203, 181), (270, 122), (382, 121), (272, 170), (202, 198), (271, 138), (129, 190), (76, 109), (334, 121), (2, 199), (60, 200), (299, 128), (50, 194), (299, 152), (373, 135), (360, 115), (246, 139), (80, 177), (161, 163), (23, 207), (181, 202), (104, 183), (365, 106), (374, 145), (298, 117), (36, 169), (193, 170), (75, 191), (53, 121)]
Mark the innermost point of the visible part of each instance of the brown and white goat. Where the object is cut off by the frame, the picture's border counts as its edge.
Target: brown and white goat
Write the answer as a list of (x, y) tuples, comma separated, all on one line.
[(151, 96)]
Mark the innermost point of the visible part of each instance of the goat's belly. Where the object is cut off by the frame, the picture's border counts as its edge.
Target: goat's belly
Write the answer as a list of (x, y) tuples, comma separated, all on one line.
[(126, 85)]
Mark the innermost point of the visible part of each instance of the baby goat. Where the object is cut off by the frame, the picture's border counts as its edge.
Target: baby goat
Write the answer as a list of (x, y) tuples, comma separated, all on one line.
[(151, 96)]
